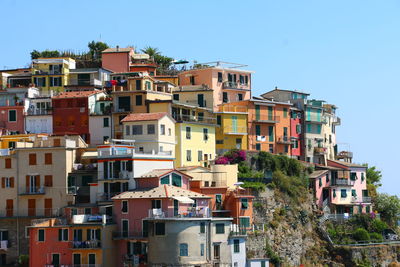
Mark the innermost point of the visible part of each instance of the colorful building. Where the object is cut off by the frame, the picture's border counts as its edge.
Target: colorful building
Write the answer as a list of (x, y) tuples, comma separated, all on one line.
[(296, 133)]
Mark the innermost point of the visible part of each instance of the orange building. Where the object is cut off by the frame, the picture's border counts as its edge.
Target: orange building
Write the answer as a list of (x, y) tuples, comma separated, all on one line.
[(268, 125)]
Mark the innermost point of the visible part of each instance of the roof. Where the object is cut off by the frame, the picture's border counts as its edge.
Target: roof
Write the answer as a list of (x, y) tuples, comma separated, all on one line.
[(348, 164), (145, 116), (318, 173), (160, 172), (87, 70), (163, 191), (118, 50), (77, 94), (190, 168), (284, 90)]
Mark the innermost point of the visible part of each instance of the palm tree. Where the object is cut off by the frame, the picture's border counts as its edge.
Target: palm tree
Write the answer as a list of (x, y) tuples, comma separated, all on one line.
[(151, 51)]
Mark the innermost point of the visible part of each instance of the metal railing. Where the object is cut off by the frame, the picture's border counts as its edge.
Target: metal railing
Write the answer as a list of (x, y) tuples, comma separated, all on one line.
[(47, 72), (284, 140), (343, 182), (235, 85), (320, 150), (235, 130), (89, 244), (361, 199), (265, 118), (38, 212), (35, 190), (190, 118), (128, 234), (84, 82), (39, 111), (189, 213)]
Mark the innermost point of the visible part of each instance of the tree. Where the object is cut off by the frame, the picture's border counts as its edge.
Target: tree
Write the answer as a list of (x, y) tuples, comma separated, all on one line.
[(151, 51), (374, 176), (164, 63), (95, 49), (35, 54), (389, 208)]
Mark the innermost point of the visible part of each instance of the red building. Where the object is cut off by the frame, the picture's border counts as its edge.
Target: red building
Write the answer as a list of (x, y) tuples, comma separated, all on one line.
[(12, 119), (296, 133), (71, 113)]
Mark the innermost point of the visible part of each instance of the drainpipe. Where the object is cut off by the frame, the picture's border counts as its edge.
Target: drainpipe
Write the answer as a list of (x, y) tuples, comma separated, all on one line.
[(209, 245), (17, 202)]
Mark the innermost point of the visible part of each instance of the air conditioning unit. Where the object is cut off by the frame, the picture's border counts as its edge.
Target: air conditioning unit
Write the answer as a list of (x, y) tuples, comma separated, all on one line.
[(261, 138)]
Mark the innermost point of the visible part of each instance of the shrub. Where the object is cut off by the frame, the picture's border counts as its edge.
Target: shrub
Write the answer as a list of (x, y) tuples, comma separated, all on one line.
[(376, 237), (378, 226), (222, 160), (360, 234), (257, 186)]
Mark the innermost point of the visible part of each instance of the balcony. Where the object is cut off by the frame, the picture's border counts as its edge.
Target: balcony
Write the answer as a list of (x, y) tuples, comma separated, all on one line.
[(36, 112), (89, 244), (265, 118), (85, 82), (201, 104), (121, 109), (47, 72), (235, 85), (128, 235), (361, 199), (344, 155), (320, 151), (342, 182), (337, 120), (238, 130), (317, 120), (5, 152), (233, 109), (84, 167), (115, 151), (189, 118), (50, 212), (122, 175), (106, 197), (285, 140), (191, 212), (36, 190)]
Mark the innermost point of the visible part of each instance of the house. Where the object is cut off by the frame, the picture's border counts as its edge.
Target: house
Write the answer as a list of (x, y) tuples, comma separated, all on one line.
[(152, 132), (227, 81), (87, 79), (39, 118), (34, 184), (296, 133), (84, 241), (71, 112), (117, 59)]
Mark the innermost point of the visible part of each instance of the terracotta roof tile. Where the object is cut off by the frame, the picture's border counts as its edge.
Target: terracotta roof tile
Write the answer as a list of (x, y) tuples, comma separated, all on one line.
[(144, 116), (77, 94)]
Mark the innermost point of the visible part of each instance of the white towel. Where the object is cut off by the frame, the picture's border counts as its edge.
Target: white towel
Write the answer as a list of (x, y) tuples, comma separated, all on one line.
[(3, 244)]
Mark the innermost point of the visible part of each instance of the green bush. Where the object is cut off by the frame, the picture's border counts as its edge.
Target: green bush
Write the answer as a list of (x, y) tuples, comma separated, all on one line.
[(257, 186), (376, 237), (361, 234), (378, 226)]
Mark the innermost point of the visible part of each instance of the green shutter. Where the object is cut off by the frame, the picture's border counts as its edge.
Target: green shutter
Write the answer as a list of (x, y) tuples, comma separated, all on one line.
[(245, 222), (320, 182), (285, 112), (245, 203), (353, 176), (234, 124), (334, 193), (353, 193), (176, 180), (343, 193), (257, 112), (258, 130), (318, 115), (271, 133), (362, 177), (218, 198), (164, 180), (270, 115)]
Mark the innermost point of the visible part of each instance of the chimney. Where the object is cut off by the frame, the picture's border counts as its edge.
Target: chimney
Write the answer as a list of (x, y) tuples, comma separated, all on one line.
[(117, 48)]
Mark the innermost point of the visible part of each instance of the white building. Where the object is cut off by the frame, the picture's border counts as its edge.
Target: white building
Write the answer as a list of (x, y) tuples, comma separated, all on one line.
[(39, 115)]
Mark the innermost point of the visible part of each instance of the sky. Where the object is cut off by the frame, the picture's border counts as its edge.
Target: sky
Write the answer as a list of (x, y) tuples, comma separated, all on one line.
[(344, 52)]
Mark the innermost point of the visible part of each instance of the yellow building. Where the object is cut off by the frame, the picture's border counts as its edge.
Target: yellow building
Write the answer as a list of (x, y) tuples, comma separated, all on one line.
[(51, 74), (231, 131), (9, 141)]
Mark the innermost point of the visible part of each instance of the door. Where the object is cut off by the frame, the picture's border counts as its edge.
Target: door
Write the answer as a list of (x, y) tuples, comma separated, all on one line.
[(125, 228), (176, 207), (55, 260), (234, 124), (9, 207), (200, 100), (31, 207), (92, 259), (77, 259), (48, 206)]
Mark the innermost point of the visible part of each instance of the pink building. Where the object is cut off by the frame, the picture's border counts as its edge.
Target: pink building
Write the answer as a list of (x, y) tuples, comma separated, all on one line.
[(117, 59), (12, 119), (228, 84), (341, 187)]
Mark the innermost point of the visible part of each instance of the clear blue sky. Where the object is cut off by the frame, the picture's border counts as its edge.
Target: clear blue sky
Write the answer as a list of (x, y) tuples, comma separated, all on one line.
[(345, 52)]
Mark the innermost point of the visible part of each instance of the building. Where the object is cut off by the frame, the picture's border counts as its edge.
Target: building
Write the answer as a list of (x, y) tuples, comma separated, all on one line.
[(71, 112), (86, 240), (154, 133), (51, 74), (87, 79), (227, 82), (117, 59), (231, 131), (11, 78), (39, 116), (34, 185), (296, 132)]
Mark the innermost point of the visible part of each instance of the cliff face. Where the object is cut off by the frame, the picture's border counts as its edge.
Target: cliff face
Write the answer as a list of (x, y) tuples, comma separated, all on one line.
[(287, 231)]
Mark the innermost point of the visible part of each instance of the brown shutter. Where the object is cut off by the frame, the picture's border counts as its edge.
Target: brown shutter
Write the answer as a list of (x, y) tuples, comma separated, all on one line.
[(48, 158), (31, 207), (8, 163), (27, 183), (37, 181), (48, 180), (12, 182), (9, 207), (48, 206), (3, 182)]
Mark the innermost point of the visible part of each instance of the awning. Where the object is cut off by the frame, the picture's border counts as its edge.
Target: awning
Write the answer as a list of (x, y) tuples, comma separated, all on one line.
[(89, 155), (185, 200)]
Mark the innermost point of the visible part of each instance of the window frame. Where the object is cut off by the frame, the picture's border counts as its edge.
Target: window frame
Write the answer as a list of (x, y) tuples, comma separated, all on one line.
[(38, 235), (15, 111), (218, 229), (183, 250)]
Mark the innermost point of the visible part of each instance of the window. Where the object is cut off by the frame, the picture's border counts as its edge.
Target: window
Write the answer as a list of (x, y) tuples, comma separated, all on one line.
[(202, 227), (201, 249), (236, 246), (225, 97), (62, 234), (138, 100), (188, 155), (205, 134), (162, 129), (199, 155), (7, 163), (124, 103), (127, 130), (106, 122), (48, 158), (105, 138), (244, 222), (169, 132), (271, 148), (12, 115), (298, 128), (258, 130), (362, 177), (55, 81), (220, 77), (192, 81), (241, 79), (327, 178), (137, 129), (160, 228), (240, 97), (285, 112), (244, 203), (218, 198), (41, 235), (334, 193), (219, 142), (164, 180), (156, 204), (32, 159), (76, 259), (55, 260), (176, 97), (48, 180), (40, 82), (353, 176), (320, 181), (216, 251), (286, 149), (263, 264), (92, 259), (88, 211), (343, 193), (188, 133), (220, 228), (353, 193), (125, 228), (246, 79), (151, 129), (219, 121), (183, 250), (176, 180), (124, 208), (271, 133), (258, 146)]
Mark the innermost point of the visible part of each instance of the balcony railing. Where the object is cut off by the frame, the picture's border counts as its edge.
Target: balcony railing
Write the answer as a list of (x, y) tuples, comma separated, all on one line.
[(122, 175), (266, 118), (202, 104), (89, 244), (190, 118), (32, 212), (36, 190), (343, 182), (33, 112), (48, 72), (73, 265), (226, 108), (129, 235), (239, 130), (189, 213), (284, 140), (320, 150), (85, 82), (344, 155), (106, 196), (235, 85), (316, 119), (361, 199)]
